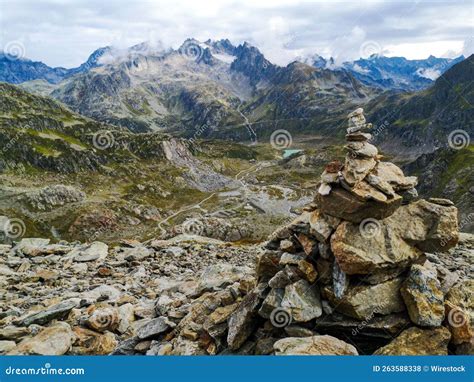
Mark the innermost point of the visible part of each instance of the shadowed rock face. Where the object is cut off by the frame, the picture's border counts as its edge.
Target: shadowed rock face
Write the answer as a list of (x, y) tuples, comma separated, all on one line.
[(417, 341)]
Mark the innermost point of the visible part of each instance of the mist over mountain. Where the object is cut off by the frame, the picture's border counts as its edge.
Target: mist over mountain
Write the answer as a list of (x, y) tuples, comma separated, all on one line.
[(390, 73), (377, 70)]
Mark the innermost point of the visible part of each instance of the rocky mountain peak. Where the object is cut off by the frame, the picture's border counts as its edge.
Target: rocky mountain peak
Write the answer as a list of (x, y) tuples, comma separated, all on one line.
[(252, 63), (222, 46)]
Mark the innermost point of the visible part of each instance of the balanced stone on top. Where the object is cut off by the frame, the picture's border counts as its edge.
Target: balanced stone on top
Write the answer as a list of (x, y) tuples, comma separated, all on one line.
[(357, 121), (363, 186)]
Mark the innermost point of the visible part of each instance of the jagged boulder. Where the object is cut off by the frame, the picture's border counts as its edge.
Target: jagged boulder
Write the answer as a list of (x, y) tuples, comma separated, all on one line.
[(417, 341), (243, 320), (302, 300), (429, 226), (356, 169), (53, 340), (42, 317), (315, 345), (359, 252), (421, 292), (321, 225), (364, 301), (89, 342), (357, 206), (397, 241)]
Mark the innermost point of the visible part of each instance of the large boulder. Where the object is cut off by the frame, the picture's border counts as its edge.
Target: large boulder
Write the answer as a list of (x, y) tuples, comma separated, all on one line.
[(423, 297), (395, 242), (370, 246), (31, 246), (154, 327), (393, 175), (218, 276), (357, 206), (271, 303), (321, 225), (431, 227), (90, 252), (315, 345), (42, 317), (89, 342), (417, 341), (102, 318), (363, 301), (53, 340), (302, 300)]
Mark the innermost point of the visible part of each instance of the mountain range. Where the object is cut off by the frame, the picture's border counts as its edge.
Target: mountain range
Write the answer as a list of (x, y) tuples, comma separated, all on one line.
[(376, 70), (392, 73), (213, 90)]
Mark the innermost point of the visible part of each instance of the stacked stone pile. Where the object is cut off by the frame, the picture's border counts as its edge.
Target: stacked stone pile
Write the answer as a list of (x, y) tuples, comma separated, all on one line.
[(354, 265)]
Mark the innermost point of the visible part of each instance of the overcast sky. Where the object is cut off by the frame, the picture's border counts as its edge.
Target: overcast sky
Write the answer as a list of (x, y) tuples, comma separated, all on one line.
[(64, 33)]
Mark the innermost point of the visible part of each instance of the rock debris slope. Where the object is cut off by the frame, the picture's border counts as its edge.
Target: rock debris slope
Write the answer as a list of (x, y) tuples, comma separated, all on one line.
[(368, 268)]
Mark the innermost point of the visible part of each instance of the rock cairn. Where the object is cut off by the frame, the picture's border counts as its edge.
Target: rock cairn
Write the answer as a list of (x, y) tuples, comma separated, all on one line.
[(351, 273)]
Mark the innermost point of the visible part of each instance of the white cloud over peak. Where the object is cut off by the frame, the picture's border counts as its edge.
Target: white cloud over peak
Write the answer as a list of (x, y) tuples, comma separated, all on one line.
[(64, 33)]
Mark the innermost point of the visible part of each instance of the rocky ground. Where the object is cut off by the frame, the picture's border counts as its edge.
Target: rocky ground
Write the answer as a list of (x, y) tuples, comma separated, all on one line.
[(91, 299), (368, 268), (144, 298)]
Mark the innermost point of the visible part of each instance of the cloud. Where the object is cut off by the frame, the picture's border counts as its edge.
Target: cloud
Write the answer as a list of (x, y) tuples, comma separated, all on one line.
[(64, 33)]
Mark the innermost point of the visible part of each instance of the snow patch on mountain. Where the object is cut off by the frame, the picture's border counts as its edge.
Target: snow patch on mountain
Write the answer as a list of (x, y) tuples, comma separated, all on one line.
[(429, 73)]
